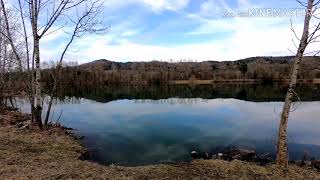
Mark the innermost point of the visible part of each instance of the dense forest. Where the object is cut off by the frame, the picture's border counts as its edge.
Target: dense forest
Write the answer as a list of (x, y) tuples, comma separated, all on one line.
[(255, 68)]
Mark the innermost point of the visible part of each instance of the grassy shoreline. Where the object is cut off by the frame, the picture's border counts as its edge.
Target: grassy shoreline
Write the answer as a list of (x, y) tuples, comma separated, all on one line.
[(54, 154), (244, 81)]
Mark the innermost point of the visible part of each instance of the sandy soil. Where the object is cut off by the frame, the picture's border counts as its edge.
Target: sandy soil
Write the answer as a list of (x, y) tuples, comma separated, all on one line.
[(51, 154)]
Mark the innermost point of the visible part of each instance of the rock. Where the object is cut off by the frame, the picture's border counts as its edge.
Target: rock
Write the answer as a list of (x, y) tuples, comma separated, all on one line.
[(301, 163), (194, 154), (238, 153), (78, 137), (217, 156), (67, 128), (263, 159), (19, 125), (85, 156), (315, 164), (308, 163), (23, 125), (26, 126), (234, 153), (206, 156)]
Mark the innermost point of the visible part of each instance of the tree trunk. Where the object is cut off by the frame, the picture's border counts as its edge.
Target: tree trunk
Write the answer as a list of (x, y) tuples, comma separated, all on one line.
[(282, 148), (50, 105), (38, 104)]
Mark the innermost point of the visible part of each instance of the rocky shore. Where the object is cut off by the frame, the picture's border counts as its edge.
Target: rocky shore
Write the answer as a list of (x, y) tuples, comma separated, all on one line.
[(28, 153), (249, 155)]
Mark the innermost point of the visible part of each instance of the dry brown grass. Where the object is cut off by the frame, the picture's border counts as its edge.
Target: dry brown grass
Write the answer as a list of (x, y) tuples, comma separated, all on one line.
[(33, 154)]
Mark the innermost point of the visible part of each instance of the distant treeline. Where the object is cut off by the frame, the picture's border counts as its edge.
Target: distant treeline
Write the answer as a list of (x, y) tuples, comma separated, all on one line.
[(255, 68)]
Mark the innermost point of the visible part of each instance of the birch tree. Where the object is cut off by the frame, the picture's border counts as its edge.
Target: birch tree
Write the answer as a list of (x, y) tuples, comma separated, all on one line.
[(84, 23), (306, 38), (47, 17), (74, 17), (18, 47), (10, 52)]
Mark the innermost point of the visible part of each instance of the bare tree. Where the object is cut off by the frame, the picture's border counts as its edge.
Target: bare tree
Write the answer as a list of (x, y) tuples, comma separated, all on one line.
[(75, 17), (307, 38), (84, 23), (20, 50), (8, 34), (47, 17), (10, 54)]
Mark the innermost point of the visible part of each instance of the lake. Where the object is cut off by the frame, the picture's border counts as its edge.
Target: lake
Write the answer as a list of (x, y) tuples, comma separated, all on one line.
[(150, 124)]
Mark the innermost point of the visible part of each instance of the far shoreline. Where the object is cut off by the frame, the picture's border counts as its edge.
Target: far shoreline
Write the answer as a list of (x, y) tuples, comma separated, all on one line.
[(207, 82), (243, 81)]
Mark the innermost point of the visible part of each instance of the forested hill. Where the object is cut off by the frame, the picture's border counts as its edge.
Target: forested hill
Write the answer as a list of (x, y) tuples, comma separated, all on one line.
[(258, 68)]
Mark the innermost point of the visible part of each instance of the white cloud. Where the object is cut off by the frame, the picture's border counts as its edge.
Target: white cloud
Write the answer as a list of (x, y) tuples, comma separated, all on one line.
[(53, 35), (243, 3), (237, 37), (160, 5), (129, 33), (227, 38), (155, 5), (115, 4), (129, 51), (249, 37), (211, 8)]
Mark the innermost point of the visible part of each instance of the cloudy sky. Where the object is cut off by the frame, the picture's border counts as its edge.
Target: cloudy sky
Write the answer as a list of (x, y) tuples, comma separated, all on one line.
[(145, 30)]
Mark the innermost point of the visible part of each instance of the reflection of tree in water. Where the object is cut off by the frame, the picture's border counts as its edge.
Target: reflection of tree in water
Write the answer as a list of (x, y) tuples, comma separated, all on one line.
[(68, 93), (63, 100)]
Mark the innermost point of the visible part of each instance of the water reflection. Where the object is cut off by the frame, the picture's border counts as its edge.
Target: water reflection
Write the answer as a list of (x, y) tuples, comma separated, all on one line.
[(171, 101), (166, 124), (248, 92)]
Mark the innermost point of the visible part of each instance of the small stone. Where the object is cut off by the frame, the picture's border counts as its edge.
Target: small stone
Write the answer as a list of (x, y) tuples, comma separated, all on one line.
[(315, 164), (85, 156), (24, 127), (19, 125), (194, 154), (206, 156)]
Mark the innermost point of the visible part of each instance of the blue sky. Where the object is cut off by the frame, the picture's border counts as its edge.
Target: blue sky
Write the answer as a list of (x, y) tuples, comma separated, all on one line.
[(145, 30)]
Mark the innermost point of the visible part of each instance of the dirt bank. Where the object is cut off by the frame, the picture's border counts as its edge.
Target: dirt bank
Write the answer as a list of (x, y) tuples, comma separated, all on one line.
[(32, 154)]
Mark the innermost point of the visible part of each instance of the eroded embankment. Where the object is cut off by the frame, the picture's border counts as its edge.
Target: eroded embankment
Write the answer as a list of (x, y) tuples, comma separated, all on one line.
[(52, 154)]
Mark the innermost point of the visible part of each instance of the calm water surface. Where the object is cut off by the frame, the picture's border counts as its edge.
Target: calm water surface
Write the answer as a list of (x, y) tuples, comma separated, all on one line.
[(157, 124)]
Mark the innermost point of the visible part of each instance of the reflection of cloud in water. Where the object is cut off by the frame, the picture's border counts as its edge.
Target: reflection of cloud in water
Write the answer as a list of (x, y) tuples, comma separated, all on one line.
[(132, 131)]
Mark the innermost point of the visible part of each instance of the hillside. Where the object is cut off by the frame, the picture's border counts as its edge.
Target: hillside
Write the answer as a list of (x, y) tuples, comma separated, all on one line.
[(255, 68)]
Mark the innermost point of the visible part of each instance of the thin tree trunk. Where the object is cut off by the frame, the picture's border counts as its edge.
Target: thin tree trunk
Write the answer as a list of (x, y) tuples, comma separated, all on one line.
[(56, 74), (50, 104), (282, 148), (33, 89), (38, 104), (9, 37)]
